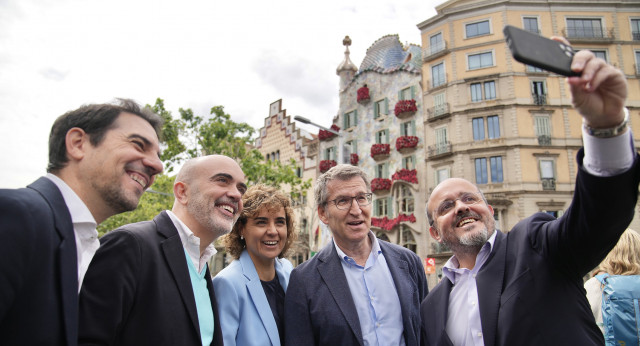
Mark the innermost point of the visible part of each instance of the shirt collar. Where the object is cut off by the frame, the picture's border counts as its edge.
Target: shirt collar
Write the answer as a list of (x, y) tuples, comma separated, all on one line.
[(191, 243), (80, 214), (452, 267), (375, 250)]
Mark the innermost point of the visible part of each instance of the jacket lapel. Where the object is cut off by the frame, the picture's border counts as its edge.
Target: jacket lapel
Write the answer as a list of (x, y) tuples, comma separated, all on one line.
[(217, 330), (489, 282), (399, 269), (177, 262), (259, 298), (68, 255), (332, 274), (437, 312)]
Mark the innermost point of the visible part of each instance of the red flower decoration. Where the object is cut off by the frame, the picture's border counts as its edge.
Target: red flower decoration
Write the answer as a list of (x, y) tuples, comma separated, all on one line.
[(325, 165), (380, 184), (410, 176), (325, 135), (406, 142), (388, 224), (354, 159), (405, 106), (363, 94), (379, 149)]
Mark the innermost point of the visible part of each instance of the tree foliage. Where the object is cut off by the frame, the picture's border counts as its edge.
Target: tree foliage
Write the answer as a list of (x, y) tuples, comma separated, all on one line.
[(191, 135)]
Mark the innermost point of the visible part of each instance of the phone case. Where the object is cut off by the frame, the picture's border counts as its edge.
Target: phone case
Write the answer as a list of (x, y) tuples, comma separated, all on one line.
[(535, 50)]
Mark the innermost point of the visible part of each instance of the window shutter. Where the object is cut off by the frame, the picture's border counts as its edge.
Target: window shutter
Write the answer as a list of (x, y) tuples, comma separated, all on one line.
[(413, 92), (355, 117)]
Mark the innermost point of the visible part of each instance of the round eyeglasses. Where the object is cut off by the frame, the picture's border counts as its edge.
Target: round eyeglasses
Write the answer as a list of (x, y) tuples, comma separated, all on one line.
[(343, 203), (448, 205)]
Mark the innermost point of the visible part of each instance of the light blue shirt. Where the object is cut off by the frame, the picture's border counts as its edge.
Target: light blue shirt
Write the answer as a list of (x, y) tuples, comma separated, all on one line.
[(375, 297), (203, 301)]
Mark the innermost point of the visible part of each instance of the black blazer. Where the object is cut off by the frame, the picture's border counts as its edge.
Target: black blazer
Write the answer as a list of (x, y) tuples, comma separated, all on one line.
[(319, 309), (138, 291), (38, 270), (530, 289)]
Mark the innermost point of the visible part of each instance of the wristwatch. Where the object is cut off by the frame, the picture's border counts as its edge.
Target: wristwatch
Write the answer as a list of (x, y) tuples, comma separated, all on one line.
[(610, 131)]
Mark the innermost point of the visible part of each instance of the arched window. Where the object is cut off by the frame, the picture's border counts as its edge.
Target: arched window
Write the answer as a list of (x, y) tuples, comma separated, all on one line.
[(406, 200), (408, 240)]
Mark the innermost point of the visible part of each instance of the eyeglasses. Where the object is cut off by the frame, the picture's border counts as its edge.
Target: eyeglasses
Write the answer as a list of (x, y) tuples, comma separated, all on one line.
[(449, 204), (343, 203)]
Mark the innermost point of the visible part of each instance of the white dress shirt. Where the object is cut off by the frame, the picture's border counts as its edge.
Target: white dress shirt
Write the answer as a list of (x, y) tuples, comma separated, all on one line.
[(191, 243)]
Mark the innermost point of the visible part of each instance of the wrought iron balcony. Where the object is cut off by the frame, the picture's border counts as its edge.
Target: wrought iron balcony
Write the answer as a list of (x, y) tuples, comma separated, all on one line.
[(439, 149), (549, 184), (434, 51), (437, 112), (593, 34), (544, 140), (539, 99)]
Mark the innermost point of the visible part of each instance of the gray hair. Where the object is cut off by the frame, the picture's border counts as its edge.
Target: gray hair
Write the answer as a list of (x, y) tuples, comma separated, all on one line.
[(339, 172)]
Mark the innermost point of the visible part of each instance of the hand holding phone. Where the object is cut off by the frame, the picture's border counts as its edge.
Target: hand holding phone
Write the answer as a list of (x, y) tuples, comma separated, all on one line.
[(535, 50)]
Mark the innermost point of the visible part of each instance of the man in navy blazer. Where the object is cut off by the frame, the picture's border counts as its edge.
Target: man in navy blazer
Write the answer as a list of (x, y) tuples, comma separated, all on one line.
[(525, 287), (149, 283), (358, 289), (101, 159)]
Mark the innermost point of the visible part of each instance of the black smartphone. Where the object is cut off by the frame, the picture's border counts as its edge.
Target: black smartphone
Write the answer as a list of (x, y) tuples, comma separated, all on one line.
[(535, 50)]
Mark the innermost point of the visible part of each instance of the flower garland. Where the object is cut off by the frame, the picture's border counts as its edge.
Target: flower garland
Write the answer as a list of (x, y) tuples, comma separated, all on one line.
[(407, 175), (325, 165), (379, 149), (406, 142), (363, 94), (388, 224), (354, 159), (325, 135), (405, 106), (380, 184)]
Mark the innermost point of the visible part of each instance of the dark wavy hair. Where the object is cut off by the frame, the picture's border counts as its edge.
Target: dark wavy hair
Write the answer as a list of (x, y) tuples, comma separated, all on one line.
[(95, 120), (257, 197)]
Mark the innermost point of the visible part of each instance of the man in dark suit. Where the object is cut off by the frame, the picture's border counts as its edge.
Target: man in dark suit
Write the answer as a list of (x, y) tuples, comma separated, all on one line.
[(525, 287), (358, 289), (101, 159), (149, 283)]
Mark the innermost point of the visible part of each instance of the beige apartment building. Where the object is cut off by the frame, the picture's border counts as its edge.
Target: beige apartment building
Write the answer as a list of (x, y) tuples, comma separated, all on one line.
[(508, 127)]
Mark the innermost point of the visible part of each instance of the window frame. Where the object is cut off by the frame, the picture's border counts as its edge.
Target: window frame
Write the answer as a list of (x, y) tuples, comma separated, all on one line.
[(442, 79), (480, 66), (476, 22)]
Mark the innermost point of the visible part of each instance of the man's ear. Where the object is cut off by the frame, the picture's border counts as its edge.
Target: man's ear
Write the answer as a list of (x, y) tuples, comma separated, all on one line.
[(75, 141), (180, 192), (322, 215), (435, 234)]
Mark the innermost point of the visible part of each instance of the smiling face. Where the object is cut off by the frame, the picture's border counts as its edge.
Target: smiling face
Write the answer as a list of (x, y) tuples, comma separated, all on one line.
[(265, 235), (461, 218), (349, 227), (121, 167)]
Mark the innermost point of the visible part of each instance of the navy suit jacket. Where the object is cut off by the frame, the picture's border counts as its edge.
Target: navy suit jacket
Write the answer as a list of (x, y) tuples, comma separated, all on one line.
[(245, 314), (38, 270), (138, 291), (530, 289), (319, 309)]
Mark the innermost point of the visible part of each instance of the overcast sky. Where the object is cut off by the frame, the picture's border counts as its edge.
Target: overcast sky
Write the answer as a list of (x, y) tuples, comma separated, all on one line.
[(56, 55)]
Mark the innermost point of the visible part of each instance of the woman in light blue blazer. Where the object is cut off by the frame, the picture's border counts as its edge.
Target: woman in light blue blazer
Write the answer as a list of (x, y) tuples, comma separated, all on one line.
[(250, 291)]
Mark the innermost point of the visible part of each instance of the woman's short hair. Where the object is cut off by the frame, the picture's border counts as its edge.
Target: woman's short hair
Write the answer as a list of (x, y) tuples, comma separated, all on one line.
[(257, 197), (624, 258)]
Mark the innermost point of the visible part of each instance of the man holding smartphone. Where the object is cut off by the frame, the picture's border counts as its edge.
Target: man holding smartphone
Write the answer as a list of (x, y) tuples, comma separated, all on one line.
[(525, 287)]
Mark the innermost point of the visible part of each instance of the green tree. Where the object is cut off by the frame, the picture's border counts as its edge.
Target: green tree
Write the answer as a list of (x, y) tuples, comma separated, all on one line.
[(192, 135)]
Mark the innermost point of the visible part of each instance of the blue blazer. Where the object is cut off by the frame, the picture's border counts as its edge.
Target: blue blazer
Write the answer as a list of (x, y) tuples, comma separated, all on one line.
[(39, 269), (245, 315), (319, 309)]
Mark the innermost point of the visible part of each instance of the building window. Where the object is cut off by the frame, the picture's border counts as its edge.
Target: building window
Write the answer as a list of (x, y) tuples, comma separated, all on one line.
[(408, 241), (477, 29), (539, 92), (408, 128), (493, 127), (542, 125), (382, 137), (437, 75), (480, 60), (330, 153), (442, 174), (406, 94), (350, 119), (352, 146), (599, 53), (439, 104), (478, 129), (382, 170), (638, 62), (406, 200), (635, 29), (409, 162), (481, 171), (584, 27), (381, 107), (436, 43), (496, 169), (531, 24), (381, 207), (441, 140), (534, 69), (483, 91)]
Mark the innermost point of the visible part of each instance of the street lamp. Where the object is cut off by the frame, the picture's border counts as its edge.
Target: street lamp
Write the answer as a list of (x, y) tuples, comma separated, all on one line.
[(341, 147)]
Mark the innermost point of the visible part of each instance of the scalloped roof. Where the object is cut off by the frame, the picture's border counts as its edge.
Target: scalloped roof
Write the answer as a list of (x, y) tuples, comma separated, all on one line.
[(388, 55)]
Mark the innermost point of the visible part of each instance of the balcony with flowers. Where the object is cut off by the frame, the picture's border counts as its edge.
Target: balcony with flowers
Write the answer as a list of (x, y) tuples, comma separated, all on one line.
[(325, 165), (408, 175), (380, 151), (363, 95), (406, 143), (380, 184), (354, 159), (388, 224), (405, 108), (325, 135)]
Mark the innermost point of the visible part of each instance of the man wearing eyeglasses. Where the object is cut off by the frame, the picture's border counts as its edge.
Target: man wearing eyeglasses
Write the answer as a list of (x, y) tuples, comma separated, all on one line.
[(525, 287), (358, 290)]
